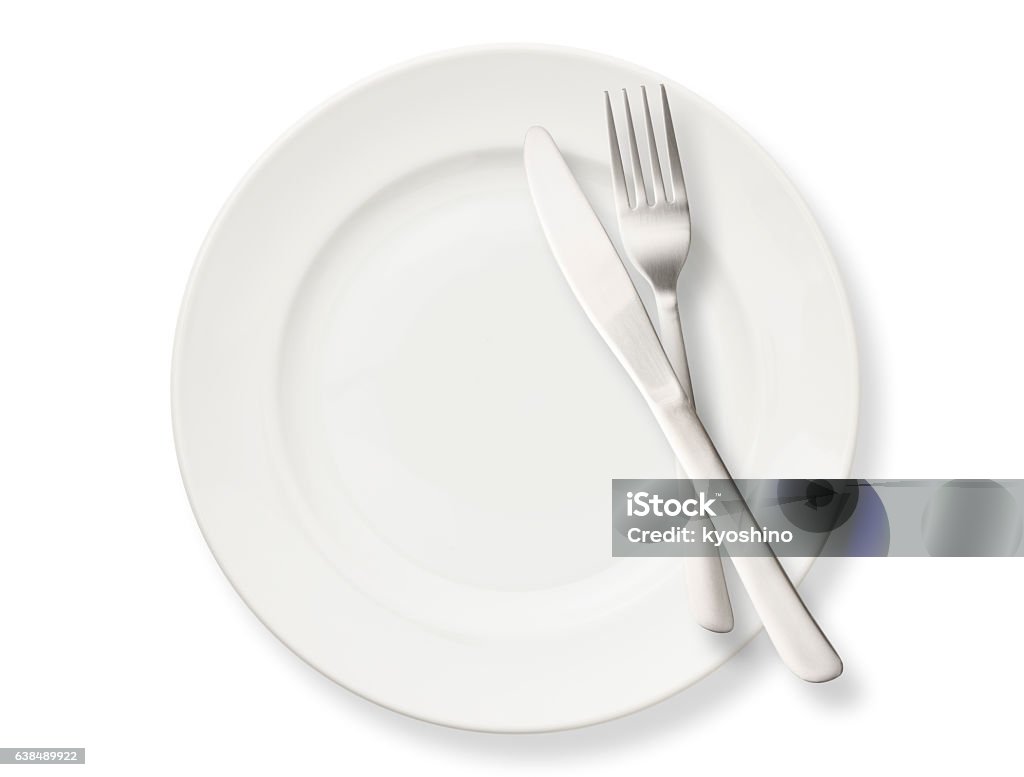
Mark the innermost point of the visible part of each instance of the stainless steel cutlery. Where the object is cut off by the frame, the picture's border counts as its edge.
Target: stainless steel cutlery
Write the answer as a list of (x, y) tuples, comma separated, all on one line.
[(654, 225), (604, 289)]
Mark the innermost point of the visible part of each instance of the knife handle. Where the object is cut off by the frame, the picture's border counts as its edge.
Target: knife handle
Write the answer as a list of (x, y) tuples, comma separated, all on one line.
[(798, 639), (706, 590)]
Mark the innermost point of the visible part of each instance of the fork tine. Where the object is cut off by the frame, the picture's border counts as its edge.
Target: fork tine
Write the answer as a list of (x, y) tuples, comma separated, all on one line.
[(674, 166), (618, 173), (657, 183), (639, 187)]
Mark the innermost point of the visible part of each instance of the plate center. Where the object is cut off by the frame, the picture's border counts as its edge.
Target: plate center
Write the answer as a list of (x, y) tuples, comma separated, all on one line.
[(444, 390)]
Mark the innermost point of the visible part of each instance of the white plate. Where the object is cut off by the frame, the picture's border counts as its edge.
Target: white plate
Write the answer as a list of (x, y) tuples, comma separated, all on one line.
[(397, 427)]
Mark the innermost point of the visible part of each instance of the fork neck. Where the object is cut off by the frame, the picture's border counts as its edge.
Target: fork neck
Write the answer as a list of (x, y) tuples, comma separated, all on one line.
[(671, 334), (666, 299)]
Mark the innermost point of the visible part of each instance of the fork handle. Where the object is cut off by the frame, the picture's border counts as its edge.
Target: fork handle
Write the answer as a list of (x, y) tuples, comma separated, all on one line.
[(670, 332), (798, 639), (706, 590)]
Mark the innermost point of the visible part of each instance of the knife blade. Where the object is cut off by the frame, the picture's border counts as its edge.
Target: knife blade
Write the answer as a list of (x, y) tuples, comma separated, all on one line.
[(604, 289)]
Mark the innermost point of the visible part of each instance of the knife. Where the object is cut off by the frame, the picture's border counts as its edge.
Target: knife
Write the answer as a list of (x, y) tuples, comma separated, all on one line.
[(604, 289)]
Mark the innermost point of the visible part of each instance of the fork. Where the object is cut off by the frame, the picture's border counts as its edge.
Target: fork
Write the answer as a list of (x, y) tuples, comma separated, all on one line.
[(654, 225)]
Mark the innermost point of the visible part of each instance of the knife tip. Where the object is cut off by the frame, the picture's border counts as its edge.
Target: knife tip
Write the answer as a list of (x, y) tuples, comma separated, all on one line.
[(535, 133)]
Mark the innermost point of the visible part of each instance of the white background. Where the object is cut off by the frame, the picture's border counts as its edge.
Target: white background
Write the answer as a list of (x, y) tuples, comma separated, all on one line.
[(125, 126)]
